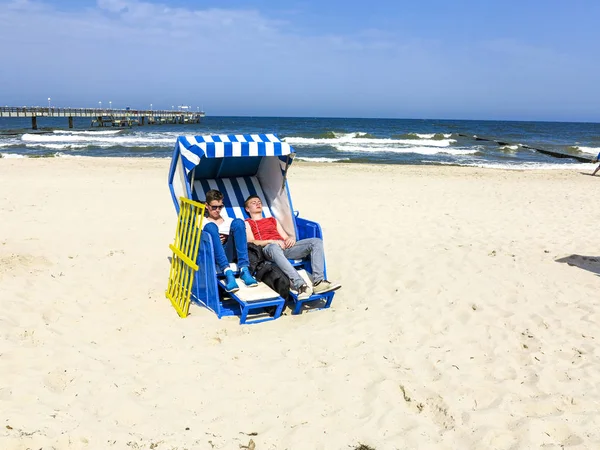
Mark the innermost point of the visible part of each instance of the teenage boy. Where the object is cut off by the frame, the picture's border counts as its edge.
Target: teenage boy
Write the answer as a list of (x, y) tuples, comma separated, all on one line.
[(229, 240), (279, 246)]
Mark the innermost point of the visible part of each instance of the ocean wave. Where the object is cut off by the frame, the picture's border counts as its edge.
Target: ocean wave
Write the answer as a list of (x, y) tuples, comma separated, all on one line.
[(59, 146), (361, 135), (44, 155), (350, 138), (327, 135), (434, 136), (516, 166), (64, 155), (365, 135), (325, 160), (88, 132), (407, 150), (147, 140), (591, 150)]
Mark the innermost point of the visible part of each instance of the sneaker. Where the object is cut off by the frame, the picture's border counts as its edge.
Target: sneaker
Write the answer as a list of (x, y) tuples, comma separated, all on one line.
[(323, 286), (247, 278), (231, 285), (302, 293)]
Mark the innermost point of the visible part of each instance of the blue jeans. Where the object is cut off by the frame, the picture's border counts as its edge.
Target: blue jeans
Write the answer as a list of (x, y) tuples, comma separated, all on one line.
[(235, 243), (301, 249)]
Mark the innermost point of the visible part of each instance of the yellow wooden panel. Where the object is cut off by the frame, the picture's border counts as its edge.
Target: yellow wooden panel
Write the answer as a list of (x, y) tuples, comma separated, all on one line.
[(185, 252)]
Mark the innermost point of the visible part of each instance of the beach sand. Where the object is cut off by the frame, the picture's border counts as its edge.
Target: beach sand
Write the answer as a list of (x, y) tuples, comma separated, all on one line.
[(468, 317)]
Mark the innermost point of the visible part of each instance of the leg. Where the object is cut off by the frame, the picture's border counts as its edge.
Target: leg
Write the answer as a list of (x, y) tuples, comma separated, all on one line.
[(220, 256), (238, 244), (274, 252), (314, 248), (237, 238), (219, 251), (597, 169)]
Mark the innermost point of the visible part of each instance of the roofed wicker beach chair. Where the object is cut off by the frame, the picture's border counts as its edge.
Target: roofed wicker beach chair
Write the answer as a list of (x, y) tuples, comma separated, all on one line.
[(240, 166)]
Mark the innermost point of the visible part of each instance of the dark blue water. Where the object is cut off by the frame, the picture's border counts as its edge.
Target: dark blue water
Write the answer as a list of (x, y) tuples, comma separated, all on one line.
[(384, 141)]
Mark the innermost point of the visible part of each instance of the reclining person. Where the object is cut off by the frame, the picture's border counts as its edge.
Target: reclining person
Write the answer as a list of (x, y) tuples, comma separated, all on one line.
[(228, 237), (279, 246)]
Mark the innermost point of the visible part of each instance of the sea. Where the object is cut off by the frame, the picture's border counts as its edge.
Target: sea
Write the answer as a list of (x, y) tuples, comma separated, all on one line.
[(480, 143)]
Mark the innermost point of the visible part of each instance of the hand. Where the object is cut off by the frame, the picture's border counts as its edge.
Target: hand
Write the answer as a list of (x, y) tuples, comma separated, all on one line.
[(289, 242), (281, 244), (223, 238)]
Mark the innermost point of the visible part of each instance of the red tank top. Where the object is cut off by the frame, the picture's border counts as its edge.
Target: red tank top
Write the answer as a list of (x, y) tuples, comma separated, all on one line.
[(265, 229)]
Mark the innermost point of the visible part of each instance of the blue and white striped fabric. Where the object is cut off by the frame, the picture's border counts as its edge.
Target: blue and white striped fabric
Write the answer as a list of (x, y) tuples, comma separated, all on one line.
[(193, 148), (235, 192)]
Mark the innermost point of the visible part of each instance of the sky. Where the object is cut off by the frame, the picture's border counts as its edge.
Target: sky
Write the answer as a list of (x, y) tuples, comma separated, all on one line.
[(427, 59)]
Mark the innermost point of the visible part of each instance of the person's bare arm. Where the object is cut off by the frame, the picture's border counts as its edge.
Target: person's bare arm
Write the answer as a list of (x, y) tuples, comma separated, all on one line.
[(249, 234), (287, 239)]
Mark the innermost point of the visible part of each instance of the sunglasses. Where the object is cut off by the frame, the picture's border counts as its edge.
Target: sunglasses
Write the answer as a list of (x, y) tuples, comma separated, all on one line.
[(215, 207)]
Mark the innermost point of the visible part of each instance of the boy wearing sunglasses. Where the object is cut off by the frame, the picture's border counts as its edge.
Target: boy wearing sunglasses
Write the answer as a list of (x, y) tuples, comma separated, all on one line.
[(229, 240), (279, 246)]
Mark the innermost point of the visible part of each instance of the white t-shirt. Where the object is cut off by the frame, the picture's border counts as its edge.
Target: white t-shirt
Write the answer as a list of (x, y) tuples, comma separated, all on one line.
[(223, 227)]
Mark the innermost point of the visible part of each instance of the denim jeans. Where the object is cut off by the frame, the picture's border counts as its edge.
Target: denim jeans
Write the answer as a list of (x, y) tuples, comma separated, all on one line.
[(235, 245), (301, 249)]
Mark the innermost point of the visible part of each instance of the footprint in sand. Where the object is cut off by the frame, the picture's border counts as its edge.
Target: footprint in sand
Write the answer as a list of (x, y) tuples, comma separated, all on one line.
[(438, 412), (434, 408), (57, 380), (15, 263), (28, 336)]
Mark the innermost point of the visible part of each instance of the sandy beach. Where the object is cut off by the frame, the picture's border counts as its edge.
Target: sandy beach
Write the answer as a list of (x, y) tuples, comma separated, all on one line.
[(468, 317)]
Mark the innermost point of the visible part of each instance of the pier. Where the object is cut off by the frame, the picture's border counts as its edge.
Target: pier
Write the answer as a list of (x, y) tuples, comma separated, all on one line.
[(104, 117)]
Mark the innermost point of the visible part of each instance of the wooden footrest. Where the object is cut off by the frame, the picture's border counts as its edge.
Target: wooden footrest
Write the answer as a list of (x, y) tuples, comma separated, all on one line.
[(254, 300)]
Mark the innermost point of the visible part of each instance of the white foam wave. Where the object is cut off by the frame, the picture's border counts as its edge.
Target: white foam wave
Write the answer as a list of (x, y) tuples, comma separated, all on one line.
[(88, 132), (11, 141), (431, 135), (64, 155), (591, 150), (350, 138), (57, 146), (147, 139), (408, 149), (20, 156), (325, 160), (518, 166)]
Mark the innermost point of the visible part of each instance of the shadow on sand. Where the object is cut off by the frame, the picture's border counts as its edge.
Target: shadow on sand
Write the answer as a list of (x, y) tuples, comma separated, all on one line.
[(591, 263)]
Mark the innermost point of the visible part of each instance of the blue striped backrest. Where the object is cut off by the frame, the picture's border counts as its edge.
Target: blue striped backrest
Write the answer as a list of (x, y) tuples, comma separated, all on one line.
[(235, 192)]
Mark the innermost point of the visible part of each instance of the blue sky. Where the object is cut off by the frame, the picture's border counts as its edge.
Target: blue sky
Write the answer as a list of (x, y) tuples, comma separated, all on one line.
[(477, 59)]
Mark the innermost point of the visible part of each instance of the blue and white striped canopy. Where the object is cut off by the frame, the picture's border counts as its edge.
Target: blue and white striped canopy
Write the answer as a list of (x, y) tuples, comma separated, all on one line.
[(194, 148)]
